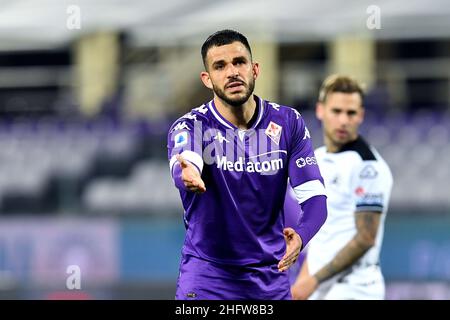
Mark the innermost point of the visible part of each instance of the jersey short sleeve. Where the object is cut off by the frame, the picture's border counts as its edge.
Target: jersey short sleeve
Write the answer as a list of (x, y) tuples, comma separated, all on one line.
[(372, 186), (185, 138), (302, 161)]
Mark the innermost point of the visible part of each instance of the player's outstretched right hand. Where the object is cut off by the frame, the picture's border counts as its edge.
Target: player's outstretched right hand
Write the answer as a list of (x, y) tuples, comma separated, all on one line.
[(191, 176)]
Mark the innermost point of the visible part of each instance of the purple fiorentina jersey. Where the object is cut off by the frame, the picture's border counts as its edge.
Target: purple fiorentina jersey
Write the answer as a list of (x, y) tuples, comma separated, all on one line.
[(238, 220)]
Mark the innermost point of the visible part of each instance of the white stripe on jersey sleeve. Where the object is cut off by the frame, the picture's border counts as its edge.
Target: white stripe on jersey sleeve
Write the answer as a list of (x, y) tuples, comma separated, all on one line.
[(190, 156), (369, 207), (308, 190)]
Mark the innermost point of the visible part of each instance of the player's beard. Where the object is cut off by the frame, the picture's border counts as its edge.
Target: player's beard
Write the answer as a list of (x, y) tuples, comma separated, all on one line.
[(335, 140), (239, 101)]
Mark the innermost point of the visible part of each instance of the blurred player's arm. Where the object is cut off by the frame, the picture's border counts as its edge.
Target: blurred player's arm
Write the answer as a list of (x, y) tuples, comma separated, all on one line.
[(367, 223), (366, 231), (303, 283)]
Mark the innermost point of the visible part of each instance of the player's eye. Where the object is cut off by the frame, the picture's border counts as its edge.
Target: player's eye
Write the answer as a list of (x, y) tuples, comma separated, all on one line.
[(239, 62)]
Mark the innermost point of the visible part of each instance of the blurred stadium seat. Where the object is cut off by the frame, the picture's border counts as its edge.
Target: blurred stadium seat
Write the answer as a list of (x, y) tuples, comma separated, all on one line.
[(115, 178)]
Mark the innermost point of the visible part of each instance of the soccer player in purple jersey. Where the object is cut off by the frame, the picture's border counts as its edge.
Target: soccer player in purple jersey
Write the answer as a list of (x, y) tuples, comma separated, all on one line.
[(231, 159)]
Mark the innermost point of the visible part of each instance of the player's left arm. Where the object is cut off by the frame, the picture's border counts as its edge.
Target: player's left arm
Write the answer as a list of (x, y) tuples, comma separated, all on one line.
[(309, 190), (373, 183), (293, 247), (314, 215), (367, 223)]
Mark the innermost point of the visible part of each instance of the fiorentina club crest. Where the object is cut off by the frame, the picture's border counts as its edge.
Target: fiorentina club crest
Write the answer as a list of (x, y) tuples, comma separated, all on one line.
[(274, 132)]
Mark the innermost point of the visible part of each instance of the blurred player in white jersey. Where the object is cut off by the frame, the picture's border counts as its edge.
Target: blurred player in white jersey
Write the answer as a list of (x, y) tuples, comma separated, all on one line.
[(342, 260)]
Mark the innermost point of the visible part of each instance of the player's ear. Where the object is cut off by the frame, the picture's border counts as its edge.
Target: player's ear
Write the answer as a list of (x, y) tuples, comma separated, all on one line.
[(206, 79), (255, 67), (363, 112), (319, 110)]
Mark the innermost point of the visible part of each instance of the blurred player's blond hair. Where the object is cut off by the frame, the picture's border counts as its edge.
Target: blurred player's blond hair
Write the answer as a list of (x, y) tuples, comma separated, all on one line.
[(340, 83)]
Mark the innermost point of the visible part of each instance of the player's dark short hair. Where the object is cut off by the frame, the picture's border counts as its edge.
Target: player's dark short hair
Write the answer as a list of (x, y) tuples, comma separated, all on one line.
[(221, 38), (339, 83)]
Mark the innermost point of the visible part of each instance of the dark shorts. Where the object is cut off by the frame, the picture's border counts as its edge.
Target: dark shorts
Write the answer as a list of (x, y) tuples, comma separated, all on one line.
[(203, 280)]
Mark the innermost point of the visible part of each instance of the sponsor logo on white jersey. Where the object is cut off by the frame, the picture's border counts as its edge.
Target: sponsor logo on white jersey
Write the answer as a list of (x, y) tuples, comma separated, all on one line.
[(371, 198), (308, 161), (273, 131), (360, 191), (368, 172)]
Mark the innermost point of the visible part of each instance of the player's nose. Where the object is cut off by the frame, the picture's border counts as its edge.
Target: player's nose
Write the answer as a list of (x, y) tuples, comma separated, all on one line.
[(343, 119), (232, 71)]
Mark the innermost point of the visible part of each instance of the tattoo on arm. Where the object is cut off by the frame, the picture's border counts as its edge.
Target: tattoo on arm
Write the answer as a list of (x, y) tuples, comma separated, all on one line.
[(367, 227)]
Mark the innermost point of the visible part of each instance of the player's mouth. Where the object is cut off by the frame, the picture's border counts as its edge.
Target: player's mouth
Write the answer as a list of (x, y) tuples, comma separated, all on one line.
[(235, 85), (342, 134)]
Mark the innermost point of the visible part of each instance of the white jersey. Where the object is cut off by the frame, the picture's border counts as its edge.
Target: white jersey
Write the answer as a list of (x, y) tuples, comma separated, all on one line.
[(357, 179)]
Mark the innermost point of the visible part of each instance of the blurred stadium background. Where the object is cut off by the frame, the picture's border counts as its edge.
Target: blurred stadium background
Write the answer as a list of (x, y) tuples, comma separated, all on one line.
[(88, 90)]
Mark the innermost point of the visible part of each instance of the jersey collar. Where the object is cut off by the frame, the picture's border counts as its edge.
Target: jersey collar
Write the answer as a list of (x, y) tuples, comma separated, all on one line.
[(229, 125)]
